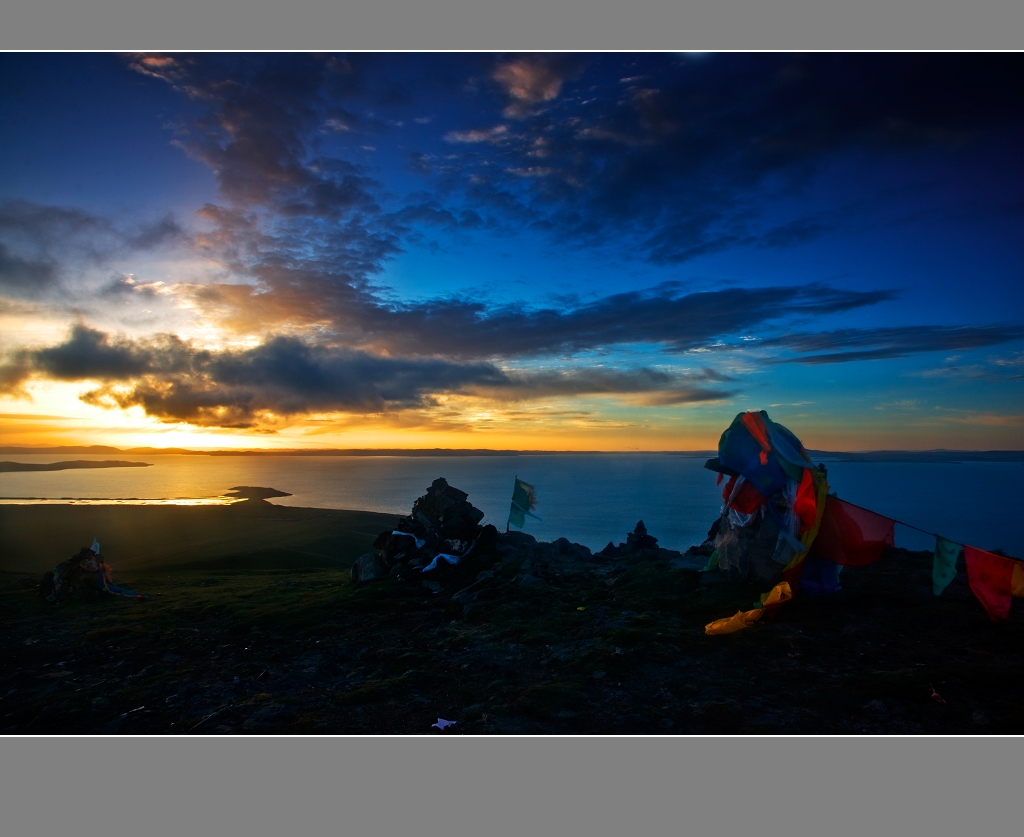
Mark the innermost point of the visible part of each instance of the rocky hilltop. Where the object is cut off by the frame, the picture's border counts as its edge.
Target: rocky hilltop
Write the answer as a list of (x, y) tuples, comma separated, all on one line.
[(441, 546)]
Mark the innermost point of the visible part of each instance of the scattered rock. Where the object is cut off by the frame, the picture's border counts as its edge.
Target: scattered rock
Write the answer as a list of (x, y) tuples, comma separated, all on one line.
[(689, 561), (273, 715), (474, 611), (368, 567), (476, 591)]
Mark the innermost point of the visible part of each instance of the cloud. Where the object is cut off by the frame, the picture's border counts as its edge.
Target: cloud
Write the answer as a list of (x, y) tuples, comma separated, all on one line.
[(255, 133), (122, 286), (38, 242), (498, 133), (530, 80), (850, 344), (173, 380), (15, 371), (658, 387), (997, 369), (22, 276), (683, 163), (986, 419), (92, 354), (900, 404), (469, 329)]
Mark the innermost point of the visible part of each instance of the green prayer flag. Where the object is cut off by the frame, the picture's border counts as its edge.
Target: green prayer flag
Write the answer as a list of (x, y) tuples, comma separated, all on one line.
[(524, 499), (944, 564)]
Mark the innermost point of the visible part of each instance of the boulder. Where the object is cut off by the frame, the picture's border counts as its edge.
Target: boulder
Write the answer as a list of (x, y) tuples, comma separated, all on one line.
[(530, 580), (520, 539), (368, 567)]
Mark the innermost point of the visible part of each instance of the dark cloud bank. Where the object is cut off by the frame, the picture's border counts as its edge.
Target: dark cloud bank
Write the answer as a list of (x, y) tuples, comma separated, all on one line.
[(174, 381)]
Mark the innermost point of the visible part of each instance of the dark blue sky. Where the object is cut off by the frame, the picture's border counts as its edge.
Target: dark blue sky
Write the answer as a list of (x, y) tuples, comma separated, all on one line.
[(481, 250)]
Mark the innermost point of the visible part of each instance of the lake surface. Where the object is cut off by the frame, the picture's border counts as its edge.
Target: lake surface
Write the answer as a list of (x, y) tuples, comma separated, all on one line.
[(586, 498)]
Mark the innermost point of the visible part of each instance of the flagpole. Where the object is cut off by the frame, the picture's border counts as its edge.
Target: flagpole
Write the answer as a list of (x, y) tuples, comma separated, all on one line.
[(509, 518)]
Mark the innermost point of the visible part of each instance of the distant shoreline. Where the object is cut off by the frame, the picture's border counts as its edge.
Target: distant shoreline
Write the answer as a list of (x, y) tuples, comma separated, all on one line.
[(907, 456), (71, 465)]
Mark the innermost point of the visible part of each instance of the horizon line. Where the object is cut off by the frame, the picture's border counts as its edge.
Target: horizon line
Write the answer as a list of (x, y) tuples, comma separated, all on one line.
[(43, 449)]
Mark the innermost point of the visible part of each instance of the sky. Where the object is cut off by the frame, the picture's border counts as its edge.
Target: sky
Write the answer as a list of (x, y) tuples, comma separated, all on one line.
[(608, 251)]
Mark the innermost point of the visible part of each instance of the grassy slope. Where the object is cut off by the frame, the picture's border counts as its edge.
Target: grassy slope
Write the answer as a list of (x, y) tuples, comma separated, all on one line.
[(224, 650), (38, 537)]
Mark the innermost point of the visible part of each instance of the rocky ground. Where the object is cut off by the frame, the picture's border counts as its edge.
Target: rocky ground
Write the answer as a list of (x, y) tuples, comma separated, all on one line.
[(533, 639)]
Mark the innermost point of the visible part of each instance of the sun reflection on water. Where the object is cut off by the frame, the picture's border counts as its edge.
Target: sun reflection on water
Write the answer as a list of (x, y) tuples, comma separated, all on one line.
[(123, 501)]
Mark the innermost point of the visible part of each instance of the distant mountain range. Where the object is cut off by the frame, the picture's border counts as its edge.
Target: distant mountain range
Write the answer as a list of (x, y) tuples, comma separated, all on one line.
[(834, 456)]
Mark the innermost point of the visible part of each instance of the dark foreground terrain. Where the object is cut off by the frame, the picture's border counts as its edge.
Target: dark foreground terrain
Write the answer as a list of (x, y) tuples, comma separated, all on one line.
[(280, 640)]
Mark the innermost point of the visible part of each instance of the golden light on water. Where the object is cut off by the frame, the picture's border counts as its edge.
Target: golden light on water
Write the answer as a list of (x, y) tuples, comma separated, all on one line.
[(124, 501)]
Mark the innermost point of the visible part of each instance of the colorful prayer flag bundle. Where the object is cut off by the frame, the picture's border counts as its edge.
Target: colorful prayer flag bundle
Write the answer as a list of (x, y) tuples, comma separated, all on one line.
[(771, 474)]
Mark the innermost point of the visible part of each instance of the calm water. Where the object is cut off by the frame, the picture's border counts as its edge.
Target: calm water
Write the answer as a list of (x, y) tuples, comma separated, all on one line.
[(588, 499)]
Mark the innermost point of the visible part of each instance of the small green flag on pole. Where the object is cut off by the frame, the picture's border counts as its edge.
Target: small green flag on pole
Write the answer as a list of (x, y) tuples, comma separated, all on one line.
[(944, 564), (524, 500)]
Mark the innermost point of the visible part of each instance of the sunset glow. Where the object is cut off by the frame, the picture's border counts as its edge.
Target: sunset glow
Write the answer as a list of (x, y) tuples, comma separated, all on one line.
[(541, 251)]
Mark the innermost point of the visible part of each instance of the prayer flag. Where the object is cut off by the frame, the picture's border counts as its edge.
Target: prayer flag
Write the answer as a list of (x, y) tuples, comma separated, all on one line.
[(524, 500), (795, 567), (852, 536), (944, 564), (991, 580), (806, 505), (745, 498), (778, 596)]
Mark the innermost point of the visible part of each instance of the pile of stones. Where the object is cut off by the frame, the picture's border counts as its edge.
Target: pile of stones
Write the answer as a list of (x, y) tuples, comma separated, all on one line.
[(442, 522)]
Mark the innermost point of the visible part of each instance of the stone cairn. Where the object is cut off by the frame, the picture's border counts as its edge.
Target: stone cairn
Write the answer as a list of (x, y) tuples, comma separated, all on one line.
[(442, 521), (635, 541)]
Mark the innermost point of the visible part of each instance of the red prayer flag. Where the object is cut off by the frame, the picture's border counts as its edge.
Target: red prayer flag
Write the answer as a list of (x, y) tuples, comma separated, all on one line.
[(806, 505), (755, 424), (852, 536), (990, 577), (747, 500)]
